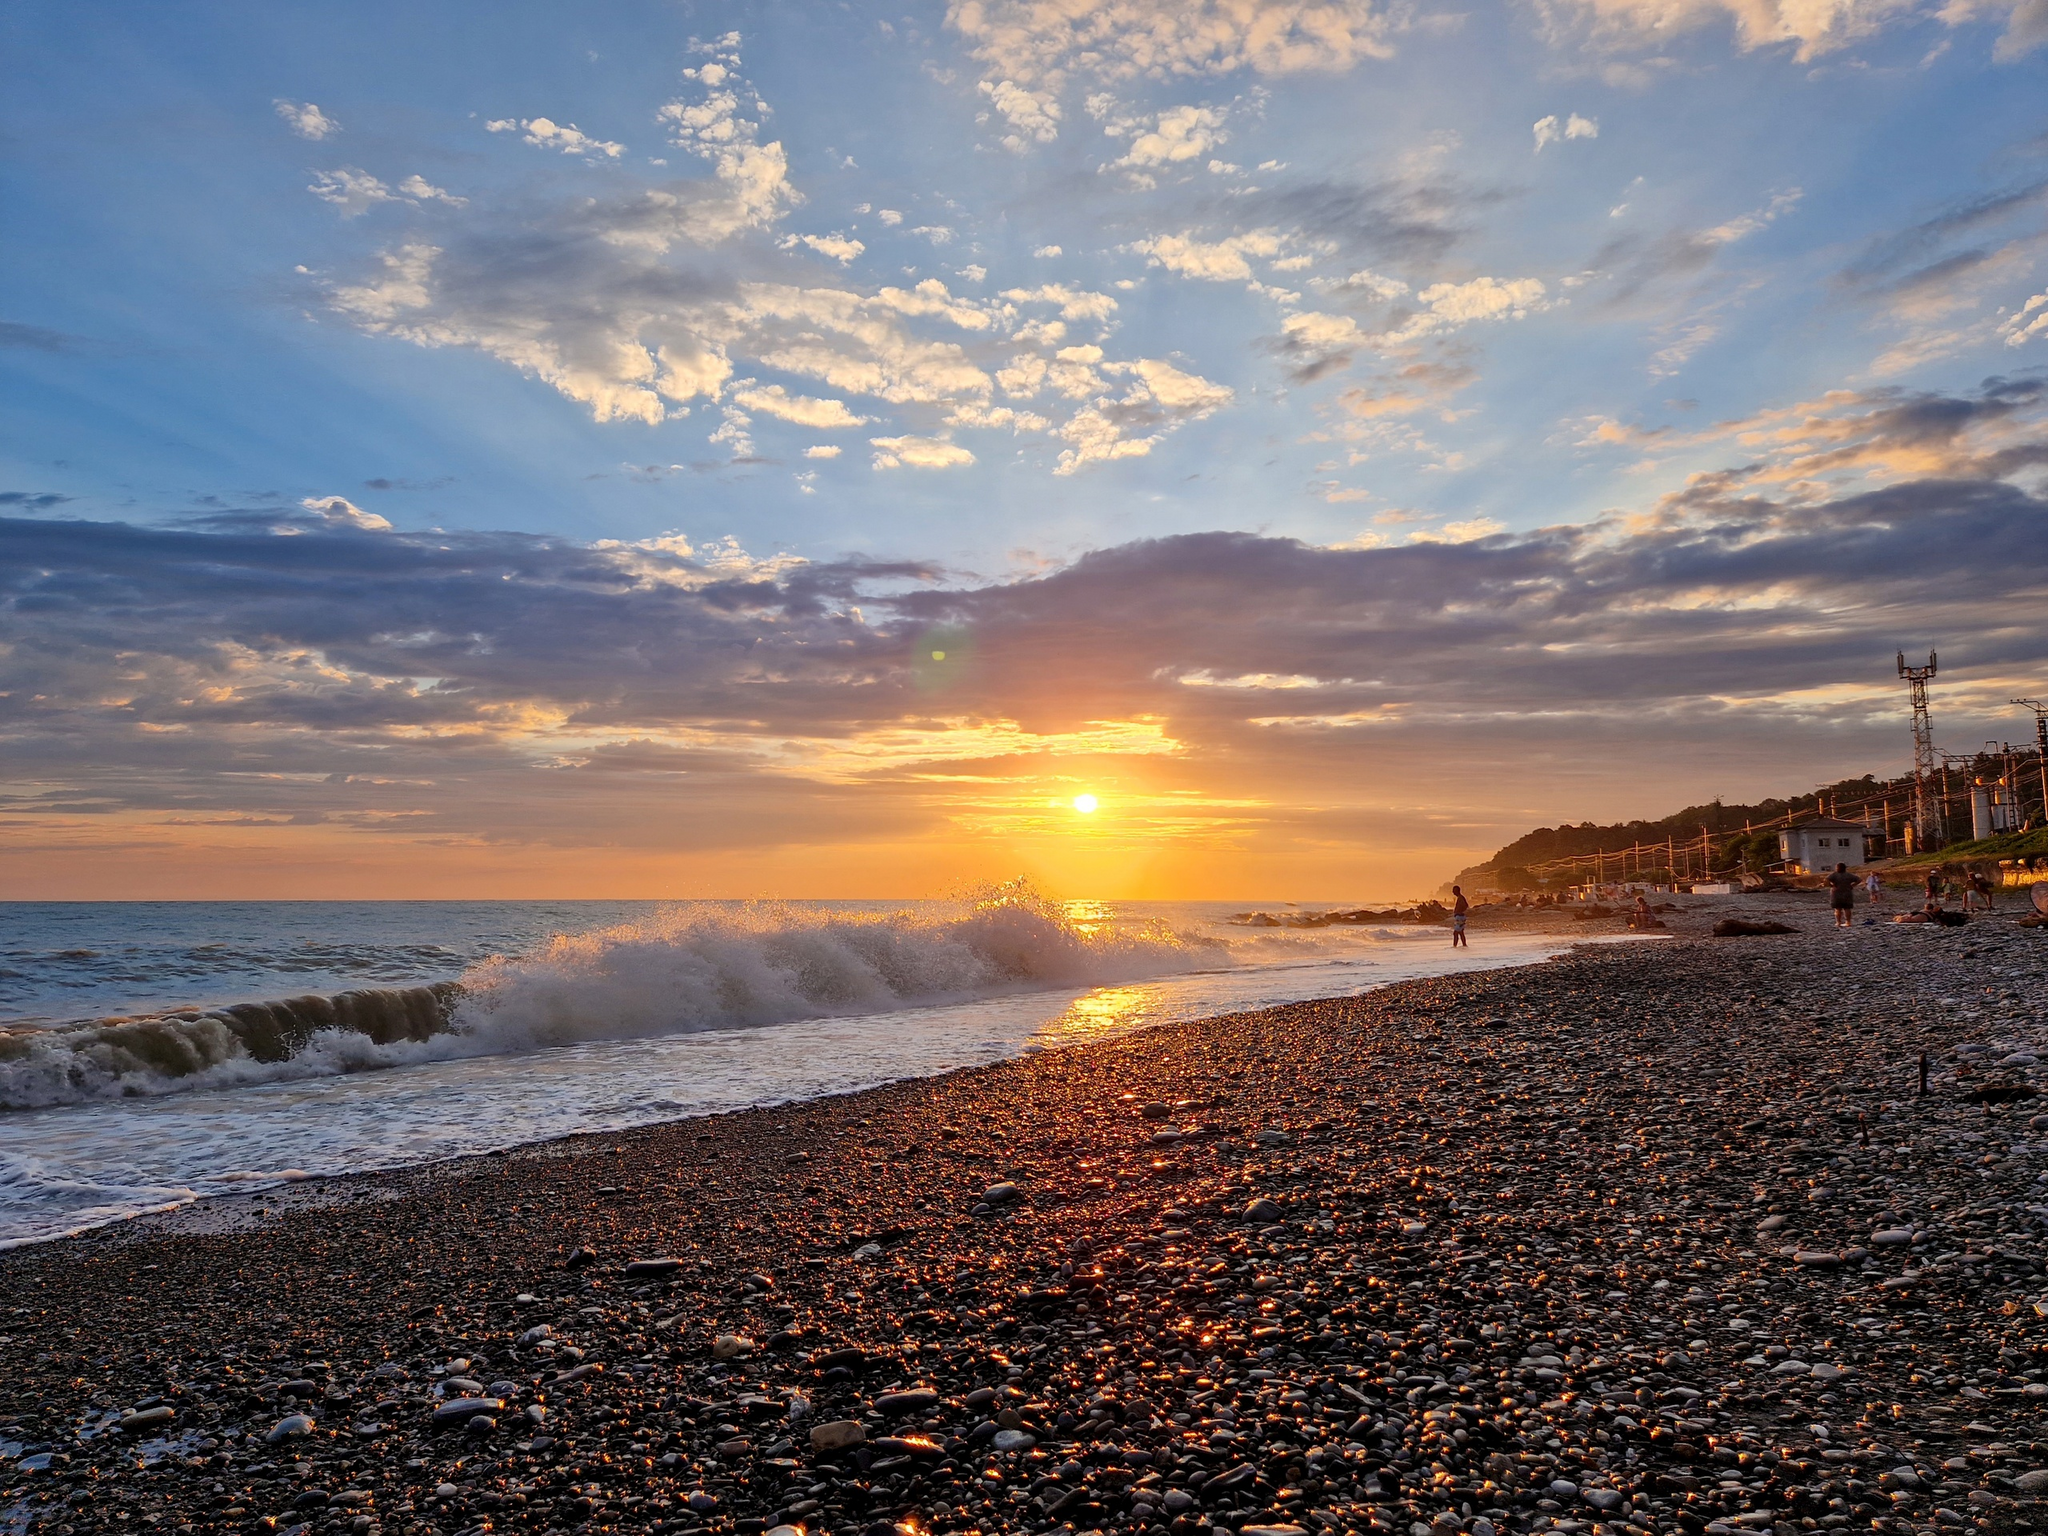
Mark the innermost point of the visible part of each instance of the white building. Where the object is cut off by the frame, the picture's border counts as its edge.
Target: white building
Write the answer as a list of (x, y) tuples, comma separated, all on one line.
[(1816, 847)]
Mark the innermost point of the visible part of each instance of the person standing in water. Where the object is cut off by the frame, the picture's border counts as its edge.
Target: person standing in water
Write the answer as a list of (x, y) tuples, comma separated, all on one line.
[(1459, 907), (1843, 884)]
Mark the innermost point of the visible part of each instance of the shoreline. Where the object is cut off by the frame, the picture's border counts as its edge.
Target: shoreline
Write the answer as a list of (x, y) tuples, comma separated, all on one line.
[(704, 1071), (1439, 1252)]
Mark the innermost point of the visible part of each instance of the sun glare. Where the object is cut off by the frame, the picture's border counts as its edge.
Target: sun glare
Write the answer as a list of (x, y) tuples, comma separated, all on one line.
[(1085, 804)]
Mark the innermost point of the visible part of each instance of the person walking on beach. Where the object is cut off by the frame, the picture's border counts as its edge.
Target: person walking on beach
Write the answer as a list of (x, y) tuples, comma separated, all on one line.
[(1459, 908), (1873, 888), (1843, 884)]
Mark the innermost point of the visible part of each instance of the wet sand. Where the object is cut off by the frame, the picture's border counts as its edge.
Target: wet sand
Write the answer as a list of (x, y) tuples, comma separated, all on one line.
[(1646, 1238)]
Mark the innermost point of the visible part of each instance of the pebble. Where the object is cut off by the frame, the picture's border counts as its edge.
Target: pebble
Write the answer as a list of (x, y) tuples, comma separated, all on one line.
[(292, 1424), (839, 1435), (1520, 1207), (731, 1346)]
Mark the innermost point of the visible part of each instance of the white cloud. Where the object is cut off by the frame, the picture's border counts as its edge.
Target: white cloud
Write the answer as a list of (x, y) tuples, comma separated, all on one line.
[(889, 216), (1045, 251), (1550, 131), (732, 432), (624, 301), (1215, 261), (1322, 333), (2031, 321), (774, 400), (755, 175), (1177, 135), (343, 513), (419, 189), (1371, 284), (1074, 303), (1810, 27), (918, 453), (353, 191), (840, 248), (1781, 203), (1033, 119), (822, 451), (1459, 533), (938, 234), (305, 119), (974, 273), (1157, 399), (546, 133), (1450, 305), (1029, 49)]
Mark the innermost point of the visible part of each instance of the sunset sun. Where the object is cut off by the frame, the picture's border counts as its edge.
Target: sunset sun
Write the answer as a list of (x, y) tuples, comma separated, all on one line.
[(1085, 804)]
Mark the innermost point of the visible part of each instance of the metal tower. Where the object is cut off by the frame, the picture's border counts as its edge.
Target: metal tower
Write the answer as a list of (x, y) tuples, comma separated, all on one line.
[(1927, 807), (2041, 740)]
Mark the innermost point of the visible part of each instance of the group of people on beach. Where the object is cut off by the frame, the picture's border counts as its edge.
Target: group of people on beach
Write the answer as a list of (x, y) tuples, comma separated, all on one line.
[(1976, 891)]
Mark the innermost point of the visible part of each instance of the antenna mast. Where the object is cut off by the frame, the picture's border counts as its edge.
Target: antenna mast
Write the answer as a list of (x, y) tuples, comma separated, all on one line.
[(1927, 807), (2041, 741)]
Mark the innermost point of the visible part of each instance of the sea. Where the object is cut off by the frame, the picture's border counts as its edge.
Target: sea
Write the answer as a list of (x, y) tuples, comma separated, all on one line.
[(136, 1077)]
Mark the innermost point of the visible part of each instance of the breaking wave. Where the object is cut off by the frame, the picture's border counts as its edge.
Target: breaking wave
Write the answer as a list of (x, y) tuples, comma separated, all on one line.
[(692, 968)]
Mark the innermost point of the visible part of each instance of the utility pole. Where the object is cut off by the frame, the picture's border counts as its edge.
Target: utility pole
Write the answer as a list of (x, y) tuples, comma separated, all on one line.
[(1927, 809), (2041, 739)]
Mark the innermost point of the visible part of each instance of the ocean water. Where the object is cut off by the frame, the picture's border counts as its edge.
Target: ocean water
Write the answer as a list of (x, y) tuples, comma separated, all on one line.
[(135, 1077)]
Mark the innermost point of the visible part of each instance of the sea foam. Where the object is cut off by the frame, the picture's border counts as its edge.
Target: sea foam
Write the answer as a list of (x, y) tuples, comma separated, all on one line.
[(691, 968)]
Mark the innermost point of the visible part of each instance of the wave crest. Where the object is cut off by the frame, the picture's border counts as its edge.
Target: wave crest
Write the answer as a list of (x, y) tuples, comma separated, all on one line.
[(692, 968), (701, 968)]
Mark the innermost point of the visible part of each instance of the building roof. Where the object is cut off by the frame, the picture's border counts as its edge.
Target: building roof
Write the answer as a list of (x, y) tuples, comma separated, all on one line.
[(1828, 824)]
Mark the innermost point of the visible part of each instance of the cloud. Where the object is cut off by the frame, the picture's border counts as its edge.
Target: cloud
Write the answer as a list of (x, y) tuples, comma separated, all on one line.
[(774, 400), (1175, 137), (546, 133), (822, 451), (918, 453), (34, 501), (840, 248), (1073, 303), (1156, 398), (421, 190), (1030, 49), (355, 191), (340, 512), (630, 301), (422, 699), (2030, 321), (1215, 261), (305, 119), (1045, 252), (1031, 119), (524, 690), (1809, 30), (1549, 131)]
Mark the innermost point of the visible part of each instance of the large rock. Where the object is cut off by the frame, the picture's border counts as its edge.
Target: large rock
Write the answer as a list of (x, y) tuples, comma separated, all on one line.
[(463, 1409), (839, 1435)]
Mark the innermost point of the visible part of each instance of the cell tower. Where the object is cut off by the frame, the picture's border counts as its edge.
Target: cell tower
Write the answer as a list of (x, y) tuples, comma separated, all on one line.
[(1927, 817), (2041, 740)]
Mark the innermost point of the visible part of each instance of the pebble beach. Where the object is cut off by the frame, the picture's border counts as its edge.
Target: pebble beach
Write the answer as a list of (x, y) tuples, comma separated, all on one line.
[(1650, 1237)]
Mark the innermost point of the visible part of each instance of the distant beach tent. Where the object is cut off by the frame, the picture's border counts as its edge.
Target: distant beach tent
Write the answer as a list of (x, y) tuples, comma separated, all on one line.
[(1817, 846)]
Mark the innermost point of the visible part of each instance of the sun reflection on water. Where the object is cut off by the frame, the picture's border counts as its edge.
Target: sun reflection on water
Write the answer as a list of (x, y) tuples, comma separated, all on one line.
[(1102, 1013)]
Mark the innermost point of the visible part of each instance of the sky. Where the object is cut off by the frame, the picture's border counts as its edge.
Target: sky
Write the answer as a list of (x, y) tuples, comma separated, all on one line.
[(768, 450)]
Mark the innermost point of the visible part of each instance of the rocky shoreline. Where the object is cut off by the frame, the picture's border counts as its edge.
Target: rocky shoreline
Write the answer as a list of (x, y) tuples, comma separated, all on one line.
[(1646, 1238)]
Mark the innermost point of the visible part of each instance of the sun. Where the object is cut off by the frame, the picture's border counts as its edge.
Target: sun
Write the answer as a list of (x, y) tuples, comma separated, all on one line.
[(1085, 804)]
